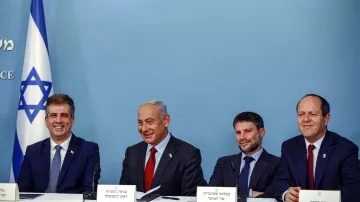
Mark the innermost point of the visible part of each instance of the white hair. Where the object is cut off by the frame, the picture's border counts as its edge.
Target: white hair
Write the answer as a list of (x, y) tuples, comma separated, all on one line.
[(160, 106)]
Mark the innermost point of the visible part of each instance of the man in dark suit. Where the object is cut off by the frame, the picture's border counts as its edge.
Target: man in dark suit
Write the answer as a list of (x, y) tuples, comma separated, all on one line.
[(253, 169), (62, 163), (161, 159), (318, 158)]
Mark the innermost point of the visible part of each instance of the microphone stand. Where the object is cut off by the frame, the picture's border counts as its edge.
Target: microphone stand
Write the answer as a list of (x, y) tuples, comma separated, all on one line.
[(240, 196), (92, 195)]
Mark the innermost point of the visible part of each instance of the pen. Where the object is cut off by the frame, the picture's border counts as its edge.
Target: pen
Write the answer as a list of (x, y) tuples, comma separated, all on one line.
[(172, 198)]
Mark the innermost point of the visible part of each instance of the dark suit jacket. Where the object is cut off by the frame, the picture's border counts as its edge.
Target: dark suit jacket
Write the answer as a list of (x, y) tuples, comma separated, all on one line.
[(261, 178), (337, 166), (76, 174), (178, 174)]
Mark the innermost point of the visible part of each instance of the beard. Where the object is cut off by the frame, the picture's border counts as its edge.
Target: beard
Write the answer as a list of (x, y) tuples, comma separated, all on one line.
[(252, 148), (253, 145)]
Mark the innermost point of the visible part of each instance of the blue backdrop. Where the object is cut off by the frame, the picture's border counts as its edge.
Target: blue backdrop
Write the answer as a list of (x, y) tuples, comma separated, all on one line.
[(207, 60)]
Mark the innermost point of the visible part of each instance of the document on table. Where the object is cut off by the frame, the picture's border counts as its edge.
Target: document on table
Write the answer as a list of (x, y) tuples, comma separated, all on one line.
[(139, 194)]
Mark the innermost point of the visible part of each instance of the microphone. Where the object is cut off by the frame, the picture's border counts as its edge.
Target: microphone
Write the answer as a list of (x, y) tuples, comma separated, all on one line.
[(240, 196), (92, 195), (233, 168), (96, 170)]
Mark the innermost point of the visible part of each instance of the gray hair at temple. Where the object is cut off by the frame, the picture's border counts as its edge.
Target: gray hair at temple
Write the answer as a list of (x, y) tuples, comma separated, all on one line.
[(160, 106)]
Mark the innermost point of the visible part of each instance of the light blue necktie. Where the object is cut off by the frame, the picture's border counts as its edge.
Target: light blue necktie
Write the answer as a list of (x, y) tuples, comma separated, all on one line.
[(54, 171)]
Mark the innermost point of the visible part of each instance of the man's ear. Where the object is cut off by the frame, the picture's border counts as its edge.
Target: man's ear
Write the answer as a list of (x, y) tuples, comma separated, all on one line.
[(327, 118), (46, 124), (166, 120), (262, 132)]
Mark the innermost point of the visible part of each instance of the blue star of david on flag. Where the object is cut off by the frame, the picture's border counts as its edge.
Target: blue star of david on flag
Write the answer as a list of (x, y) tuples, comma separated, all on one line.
[(35, 88), (33, 79)]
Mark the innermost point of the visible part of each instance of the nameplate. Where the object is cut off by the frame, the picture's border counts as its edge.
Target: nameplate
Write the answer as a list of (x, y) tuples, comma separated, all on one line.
[(9, 192), (121, 193), (214, 194), (319, 196)]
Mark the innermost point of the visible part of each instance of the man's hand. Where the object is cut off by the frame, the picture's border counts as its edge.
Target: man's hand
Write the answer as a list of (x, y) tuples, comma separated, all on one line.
[(293, 194), (256, 193)]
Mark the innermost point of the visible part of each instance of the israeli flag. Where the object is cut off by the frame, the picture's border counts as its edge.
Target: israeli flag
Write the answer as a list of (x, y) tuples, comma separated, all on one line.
[(35, 88)]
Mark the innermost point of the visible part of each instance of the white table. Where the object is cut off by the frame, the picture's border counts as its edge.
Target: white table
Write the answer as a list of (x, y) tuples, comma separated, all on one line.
[(79, 198), (56, 197)]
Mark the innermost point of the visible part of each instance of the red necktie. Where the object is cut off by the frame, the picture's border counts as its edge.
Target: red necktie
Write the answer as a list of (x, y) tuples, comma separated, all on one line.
[(149, 170), (311, 167)]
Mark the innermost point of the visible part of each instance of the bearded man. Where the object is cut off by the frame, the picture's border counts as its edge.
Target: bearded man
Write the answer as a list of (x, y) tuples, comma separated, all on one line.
[(253, 169)]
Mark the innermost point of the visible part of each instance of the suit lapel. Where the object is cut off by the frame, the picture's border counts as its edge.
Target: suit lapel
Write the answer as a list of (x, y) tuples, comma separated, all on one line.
[(165, 159), (260, 167), (326, 148), (301, 163), (70, 154), (45, 159), (141, 167), (237, 162)]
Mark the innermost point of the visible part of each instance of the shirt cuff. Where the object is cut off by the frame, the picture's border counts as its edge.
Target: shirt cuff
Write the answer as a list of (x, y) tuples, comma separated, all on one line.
[(283, 195), (250, 192)]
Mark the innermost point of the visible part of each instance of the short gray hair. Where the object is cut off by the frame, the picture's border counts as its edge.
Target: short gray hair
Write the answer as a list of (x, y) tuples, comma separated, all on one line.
[(160, 106)]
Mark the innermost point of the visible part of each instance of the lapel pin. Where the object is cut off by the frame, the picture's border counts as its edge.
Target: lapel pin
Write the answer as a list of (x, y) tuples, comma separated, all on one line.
[(72, 152), (170, 155), (324, 155)]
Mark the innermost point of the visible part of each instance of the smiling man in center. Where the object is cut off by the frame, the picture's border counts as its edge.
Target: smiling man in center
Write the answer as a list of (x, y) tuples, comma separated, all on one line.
[(161, 159)]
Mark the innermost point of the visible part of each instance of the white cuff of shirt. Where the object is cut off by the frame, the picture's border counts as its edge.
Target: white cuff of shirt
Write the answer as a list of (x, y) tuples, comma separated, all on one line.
[(250, 193), (283, 195)]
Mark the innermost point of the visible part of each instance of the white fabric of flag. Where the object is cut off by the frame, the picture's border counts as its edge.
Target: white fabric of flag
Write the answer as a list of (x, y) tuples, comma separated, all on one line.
[(35, 88)]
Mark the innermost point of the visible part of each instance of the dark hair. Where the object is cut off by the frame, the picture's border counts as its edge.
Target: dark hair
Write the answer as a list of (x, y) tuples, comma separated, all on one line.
[(249, 117), (325, 107), (61, 99)]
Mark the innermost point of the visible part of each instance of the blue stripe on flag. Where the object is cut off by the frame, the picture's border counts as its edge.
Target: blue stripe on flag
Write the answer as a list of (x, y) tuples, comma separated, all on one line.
[(34, 72), (37, 13), (17, 159)]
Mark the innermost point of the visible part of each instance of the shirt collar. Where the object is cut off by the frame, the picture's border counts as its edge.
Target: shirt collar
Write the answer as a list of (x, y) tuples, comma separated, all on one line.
[(256, 156), (64, 145), (161, 146), (317, 144)]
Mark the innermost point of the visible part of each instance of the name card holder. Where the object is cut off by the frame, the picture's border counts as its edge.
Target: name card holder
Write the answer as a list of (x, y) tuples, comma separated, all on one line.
[(120, 193), (216, 194), (319, 196), (9, 192)]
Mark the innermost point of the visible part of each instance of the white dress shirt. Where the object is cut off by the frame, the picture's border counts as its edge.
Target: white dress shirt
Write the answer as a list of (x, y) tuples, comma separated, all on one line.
[(317, 145), (160, 148), (64, 148)]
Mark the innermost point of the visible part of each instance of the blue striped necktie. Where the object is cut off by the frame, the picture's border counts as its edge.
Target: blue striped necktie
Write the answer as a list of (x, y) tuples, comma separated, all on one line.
[(54, 171)]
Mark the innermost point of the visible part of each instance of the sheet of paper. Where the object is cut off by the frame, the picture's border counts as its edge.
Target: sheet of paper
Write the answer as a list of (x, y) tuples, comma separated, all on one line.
[(139, 194), (261, 200)]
